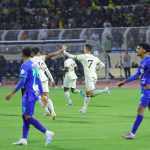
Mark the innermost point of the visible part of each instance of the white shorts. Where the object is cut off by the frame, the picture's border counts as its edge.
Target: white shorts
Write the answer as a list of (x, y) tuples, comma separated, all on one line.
[(69, 83), (90, 84), (45, 86)]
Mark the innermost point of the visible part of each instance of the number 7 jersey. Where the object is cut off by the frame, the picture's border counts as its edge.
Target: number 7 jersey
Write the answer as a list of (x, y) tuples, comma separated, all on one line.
[(90, 65)]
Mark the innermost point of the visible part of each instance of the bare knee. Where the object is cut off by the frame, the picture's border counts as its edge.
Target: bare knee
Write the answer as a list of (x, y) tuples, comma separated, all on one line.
[(140, 110)]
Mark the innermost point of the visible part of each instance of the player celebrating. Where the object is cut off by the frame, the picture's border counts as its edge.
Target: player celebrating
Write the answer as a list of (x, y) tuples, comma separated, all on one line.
[(70, 79), (44, 75), (143, 72), (90, 65), (29, 80)]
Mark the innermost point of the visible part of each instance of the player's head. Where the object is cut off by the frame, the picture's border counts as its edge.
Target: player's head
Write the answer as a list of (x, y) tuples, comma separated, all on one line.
[(26, 52), (35, 51), (142, 49), (87, 48)]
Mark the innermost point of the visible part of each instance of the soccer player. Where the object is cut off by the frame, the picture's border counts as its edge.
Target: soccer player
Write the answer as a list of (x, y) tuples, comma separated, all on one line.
[(90, 65), (44, 75), (70, 79), (142, 73), (29, 80)]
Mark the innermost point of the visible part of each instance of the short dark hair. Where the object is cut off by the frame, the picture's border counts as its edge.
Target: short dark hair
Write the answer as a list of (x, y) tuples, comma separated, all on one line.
[(35, 50), (89, 47), (145, 46), (26, 51)]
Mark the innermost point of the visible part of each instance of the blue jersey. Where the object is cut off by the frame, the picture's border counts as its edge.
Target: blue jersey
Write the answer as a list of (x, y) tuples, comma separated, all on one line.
[(143, 73), (29, 74)]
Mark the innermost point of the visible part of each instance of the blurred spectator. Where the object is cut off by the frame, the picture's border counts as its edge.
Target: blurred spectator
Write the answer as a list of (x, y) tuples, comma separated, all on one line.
[(127, 64), (35, 14)]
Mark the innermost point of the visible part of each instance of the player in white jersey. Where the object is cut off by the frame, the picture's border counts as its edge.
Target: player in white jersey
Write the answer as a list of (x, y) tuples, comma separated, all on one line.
[(90, 65), (45, 76), (70, 79)]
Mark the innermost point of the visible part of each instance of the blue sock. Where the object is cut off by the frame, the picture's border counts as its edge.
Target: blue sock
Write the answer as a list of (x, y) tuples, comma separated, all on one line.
[(25, 128), (37, 125), (137, 123)]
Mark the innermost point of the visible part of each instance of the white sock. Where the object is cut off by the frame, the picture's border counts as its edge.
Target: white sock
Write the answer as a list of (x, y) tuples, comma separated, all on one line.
[(86, 101), (76, 91), (67, 96), (50, 106), (99, 91)]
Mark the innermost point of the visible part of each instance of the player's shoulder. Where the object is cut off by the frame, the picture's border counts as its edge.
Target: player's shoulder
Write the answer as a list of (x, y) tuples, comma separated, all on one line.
[(26, 64)]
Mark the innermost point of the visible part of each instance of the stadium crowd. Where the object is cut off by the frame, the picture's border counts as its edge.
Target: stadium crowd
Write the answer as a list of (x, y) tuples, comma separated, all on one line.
[(35, 14)]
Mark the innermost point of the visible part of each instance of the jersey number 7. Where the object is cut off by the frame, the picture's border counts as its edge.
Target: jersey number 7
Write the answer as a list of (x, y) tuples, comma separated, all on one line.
[(90, 63)]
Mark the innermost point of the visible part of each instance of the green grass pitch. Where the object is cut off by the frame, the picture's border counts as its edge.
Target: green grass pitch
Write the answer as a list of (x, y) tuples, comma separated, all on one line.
[(108, 117)]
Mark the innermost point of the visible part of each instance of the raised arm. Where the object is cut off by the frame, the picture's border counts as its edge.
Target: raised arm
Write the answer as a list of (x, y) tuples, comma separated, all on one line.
[(53, 54)]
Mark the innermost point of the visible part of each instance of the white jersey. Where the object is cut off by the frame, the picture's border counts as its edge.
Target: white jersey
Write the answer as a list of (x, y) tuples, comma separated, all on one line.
[(90, 64), (40, 61), (70, 65)]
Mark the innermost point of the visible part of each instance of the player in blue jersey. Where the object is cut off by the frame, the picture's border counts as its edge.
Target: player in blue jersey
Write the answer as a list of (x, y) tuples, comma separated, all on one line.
[(29, 80), (142, 73)]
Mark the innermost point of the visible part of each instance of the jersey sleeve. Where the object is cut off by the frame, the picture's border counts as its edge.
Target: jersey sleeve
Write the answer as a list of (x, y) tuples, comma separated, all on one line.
[(100, 63), (80, 57), (135, 76), (43, 57)]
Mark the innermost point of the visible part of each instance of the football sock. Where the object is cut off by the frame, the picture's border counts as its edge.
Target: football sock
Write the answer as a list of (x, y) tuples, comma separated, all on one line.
[(86, 101), (76, 91), (99, 91), (50, 106), (37, 125), (67, 96), (137, 123), (25, 128)]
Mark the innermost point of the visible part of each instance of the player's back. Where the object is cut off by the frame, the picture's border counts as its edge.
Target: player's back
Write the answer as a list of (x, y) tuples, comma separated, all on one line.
[(29, 71), (89, 63), (40, 61)]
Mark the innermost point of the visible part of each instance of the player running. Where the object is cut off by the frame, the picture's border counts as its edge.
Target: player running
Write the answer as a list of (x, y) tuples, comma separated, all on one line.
[(142, 73), (70, 79), (45, 76), (30, 81), (90, 65)]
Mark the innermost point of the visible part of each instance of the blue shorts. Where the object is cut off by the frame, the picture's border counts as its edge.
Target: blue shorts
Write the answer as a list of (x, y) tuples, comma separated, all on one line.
[(28, 104), (145, 98)]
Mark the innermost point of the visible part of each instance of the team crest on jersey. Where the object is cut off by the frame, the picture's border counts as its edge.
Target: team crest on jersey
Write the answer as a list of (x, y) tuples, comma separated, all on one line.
[(22, 71)]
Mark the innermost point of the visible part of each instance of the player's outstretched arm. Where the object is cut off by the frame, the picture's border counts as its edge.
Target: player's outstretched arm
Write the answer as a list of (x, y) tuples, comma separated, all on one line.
[(131, 78), (53, 54)]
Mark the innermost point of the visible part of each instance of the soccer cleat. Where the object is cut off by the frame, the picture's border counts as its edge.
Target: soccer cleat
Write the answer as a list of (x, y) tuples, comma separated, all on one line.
[(21, 142), (107, 90), (53, 115), (83, 110), (49, 137), (129, 136)]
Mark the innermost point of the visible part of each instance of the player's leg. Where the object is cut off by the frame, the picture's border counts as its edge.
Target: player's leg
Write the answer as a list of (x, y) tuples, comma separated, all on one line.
[(49, 107), (67, 85), (96, 92), (138, 120), (90, 86), (74, 88), (67, 96), (28, 119)]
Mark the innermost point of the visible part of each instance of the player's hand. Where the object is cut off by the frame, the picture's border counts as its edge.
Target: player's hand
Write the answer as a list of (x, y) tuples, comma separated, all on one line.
[(9, 96), (121, 83)]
